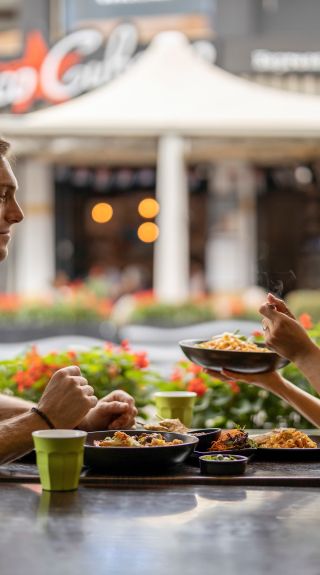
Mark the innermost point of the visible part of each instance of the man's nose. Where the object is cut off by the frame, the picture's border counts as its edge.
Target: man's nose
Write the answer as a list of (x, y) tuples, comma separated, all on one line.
[(15, 214)]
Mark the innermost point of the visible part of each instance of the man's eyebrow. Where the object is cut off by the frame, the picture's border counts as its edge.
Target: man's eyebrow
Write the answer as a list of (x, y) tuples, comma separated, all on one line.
[(10, 185)]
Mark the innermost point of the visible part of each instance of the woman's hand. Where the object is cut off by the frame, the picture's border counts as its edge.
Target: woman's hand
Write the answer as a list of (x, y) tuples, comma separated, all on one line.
[(114, 411), (279, 305), (269, 381), (283, 333)]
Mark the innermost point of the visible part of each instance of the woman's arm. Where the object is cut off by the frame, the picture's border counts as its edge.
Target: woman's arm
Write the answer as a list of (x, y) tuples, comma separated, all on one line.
[(12, 406), (300, 400), (288, 338), (303, 402)]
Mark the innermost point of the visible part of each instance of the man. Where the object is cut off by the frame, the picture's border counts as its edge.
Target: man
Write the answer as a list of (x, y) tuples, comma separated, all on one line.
[(68, 400)]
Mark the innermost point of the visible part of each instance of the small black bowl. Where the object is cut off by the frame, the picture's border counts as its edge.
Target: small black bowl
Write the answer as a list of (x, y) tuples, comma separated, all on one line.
[(206, 436), (238, 361), (223, 467)]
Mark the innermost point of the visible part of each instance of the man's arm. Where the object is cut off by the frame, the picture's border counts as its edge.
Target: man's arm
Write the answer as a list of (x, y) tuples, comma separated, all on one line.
[(16, 435), (65, 401), (114, 411), (12, 406)]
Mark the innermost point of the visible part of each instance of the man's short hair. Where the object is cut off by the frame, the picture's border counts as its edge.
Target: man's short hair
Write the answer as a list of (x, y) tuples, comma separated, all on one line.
[(4, 147)]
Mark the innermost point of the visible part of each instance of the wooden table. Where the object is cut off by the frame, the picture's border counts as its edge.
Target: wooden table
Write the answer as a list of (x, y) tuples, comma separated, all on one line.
[(178, 523)]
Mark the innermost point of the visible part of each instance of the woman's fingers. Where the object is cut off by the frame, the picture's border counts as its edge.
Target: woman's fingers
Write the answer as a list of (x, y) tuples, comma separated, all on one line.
[(280, 305), (223, 375), (238, 376)]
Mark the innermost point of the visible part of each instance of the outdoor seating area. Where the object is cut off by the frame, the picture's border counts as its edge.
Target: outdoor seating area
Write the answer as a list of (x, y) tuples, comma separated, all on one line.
[(159, 287)]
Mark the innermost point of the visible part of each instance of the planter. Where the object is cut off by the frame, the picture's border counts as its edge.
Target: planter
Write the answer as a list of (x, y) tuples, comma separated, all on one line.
[(21, 332)]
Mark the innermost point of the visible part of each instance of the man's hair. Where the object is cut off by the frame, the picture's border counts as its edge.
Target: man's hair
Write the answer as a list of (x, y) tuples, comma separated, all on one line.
[(4, 147)]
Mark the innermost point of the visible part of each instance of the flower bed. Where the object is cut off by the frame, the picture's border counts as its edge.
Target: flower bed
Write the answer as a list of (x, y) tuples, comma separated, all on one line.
[(72, 307), (76, 305), (148, 311), (106, 368)]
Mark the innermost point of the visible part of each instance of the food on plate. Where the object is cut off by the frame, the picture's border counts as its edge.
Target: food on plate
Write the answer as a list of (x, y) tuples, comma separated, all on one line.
[(231, 342), (173, 425), (285, 438), (232, 439), (122, 439)]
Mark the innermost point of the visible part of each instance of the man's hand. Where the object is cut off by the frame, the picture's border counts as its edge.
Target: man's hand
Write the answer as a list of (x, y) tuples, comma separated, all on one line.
[(67, 398), (283, 333), (115, 411)]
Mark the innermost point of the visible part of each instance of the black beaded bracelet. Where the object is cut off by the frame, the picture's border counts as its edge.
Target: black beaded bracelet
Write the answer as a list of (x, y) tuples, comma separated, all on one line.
[(43, 416)]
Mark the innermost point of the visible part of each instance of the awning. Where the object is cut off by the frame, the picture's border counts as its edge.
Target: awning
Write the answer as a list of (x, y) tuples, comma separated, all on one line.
[(170, 89)]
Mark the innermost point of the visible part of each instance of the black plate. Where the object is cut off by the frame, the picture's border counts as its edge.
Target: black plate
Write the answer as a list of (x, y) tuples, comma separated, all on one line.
[(294, 454), (238, 361), (136, 459), (270, 454), (206, 436)]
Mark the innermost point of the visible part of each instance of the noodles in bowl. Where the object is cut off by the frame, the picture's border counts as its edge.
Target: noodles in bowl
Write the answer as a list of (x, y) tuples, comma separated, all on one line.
[(232, 352), (232, 342)]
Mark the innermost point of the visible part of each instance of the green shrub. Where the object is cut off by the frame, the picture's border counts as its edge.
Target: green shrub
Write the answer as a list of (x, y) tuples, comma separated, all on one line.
[(171, 314), (218, 403), (305, 301)]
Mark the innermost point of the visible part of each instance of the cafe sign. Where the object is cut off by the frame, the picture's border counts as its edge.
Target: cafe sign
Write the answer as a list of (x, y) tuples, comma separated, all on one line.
[(77, 63), (284, 62)]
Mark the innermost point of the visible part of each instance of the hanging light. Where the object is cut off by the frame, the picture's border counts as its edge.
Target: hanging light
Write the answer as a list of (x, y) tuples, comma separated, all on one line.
[(148, 232), (148, 208), (101, 213), (303, 175)]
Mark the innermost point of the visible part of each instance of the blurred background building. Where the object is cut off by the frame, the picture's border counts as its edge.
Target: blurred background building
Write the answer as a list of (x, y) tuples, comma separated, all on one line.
[(251, 217)]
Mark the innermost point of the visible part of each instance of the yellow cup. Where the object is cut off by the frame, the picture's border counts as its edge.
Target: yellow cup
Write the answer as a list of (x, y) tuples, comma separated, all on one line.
[(176, 405), (59, 457)]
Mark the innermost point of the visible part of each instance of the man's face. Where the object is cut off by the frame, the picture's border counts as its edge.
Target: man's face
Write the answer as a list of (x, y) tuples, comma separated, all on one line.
[(10, 211)]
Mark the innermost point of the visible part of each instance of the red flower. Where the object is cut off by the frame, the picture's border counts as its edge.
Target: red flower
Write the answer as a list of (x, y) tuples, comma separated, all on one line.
[(176, 375), (234, 386), (257, 333), (193, 368), (23, 380), (108, 346), (197, 385), (306, 321), (113, 370), (125, 345), (141, 359)]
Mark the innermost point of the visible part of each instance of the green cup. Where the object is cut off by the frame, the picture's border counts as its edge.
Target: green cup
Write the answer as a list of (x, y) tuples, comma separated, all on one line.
[(175, 405), (59, 458)]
